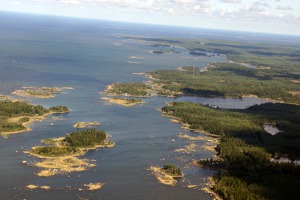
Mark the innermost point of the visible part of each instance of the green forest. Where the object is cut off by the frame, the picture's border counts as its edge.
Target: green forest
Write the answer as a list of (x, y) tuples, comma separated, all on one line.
[(9, 109), (72, 143), (246, 172), (227, 80), (246, 124), (244, 167)]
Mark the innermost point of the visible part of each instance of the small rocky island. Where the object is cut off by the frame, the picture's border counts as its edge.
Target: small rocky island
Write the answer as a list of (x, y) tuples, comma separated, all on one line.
[(85, 124), (61, 154), (40, 92), (167, 175)]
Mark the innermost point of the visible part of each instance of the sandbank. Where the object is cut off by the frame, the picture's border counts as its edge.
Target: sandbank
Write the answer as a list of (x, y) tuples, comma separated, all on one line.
[(187, 148), (31, 187), (94, 186), (62, 165)]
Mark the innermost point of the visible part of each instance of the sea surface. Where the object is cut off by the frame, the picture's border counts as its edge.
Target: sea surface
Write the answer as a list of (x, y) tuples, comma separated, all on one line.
[(88, 55)]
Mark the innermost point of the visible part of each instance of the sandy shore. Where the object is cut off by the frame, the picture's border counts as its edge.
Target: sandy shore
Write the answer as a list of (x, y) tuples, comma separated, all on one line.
[(122, 102)]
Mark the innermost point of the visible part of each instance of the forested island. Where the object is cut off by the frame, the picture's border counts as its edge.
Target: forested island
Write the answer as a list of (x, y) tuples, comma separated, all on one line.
[(15, 116), (135, 89), (168, 174), (61, 154)]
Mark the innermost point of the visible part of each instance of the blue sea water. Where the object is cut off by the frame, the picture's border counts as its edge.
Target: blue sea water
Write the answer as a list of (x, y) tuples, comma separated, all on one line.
[(88, 55)]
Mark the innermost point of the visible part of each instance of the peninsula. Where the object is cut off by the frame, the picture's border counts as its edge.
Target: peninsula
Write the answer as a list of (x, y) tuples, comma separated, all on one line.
[(16, 116)]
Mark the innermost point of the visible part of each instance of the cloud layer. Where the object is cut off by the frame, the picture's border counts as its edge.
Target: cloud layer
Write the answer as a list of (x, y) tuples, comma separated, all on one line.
[(238, 11)]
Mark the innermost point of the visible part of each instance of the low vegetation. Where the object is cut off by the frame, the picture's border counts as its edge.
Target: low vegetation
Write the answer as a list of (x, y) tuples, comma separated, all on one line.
[(54, 151)]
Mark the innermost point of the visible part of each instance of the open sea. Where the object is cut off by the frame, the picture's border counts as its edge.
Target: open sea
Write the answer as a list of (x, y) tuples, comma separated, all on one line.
[(88, 55)]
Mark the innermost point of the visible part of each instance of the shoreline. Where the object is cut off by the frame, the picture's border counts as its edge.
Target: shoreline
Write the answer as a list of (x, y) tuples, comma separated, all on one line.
[(32, 119)]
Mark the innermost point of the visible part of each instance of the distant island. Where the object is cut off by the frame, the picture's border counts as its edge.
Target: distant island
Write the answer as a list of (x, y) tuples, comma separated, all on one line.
[(17, 115), (123, 101), (40, 92), (61, 154)]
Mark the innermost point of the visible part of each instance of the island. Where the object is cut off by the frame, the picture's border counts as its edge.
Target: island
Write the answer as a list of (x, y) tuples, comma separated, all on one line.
[(135, 89), (40, 92), (85, 124), (16, 116), (123, 101), (167, 175), (61, 154)]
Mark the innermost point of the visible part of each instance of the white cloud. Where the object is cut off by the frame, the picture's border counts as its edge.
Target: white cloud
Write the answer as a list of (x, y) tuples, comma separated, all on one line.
[(284, 8), (231, 1)]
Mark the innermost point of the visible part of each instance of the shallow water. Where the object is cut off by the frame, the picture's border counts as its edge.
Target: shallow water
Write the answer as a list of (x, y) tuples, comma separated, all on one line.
[(87, 55)]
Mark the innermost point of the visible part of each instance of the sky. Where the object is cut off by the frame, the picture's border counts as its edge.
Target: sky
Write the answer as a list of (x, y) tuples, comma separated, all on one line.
[(267, 16)]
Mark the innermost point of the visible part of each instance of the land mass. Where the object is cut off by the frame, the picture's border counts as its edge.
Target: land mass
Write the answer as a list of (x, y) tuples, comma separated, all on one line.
[(85, 124), (167, 175), (135, 89), (61, 154), (123, 101), (16, 116), (40, 92)]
